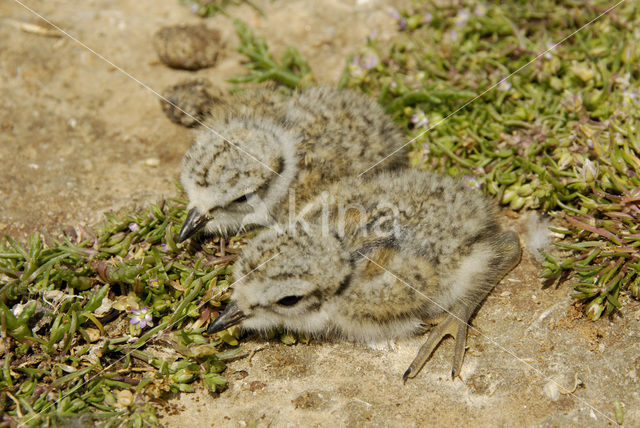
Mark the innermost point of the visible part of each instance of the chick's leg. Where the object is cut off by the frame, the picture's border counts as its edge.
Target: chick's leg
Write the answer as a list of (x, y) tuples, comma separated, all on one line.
[(507, 250), (455, 324)]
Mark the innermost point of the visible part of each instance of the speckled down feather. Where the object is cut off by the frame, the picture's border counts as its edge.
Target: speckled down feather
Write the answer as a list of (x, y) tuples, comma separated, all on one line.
[(373, 257), (282, 151)]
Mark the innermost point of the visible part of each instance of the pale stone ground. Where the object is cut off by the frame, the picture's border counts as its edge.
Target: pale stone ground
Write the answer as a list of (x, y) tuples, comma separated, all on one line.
[(77, 137)]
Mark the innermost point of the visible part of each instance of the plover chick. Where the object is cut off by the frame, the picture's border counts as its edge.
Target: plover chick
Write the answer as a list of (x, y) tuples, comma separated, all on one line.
[(312, 139), (374, 258)]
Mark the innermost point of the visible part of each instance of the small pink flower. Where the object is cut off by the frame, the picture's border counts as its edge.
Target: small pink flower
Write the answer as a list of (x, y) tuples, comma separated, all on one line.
[(550, 47), (504, 85), (394, 13), (471, 181), (426, 149), (629, 97), (370, 60), (461, 18), (419, 119), (356, 71), (481, 10), (134, 227), (402, 23), (141, 317)]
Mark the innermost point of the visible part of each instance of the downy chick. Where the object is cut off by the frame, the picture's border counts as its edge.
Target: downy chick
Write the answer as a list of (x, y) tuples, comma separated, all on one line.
[(372, 259), (314, 138)]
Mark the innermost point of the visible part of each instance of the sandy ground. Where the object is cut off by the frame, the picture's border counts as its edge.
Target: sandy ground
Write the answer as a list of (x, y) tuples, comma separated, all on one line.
[(78, 137)]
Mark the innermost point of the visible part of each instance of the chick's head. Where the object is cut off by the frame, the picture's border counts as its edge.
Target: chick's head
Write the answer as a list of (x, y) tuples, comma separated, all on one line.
[(234, 180), (288, 279)]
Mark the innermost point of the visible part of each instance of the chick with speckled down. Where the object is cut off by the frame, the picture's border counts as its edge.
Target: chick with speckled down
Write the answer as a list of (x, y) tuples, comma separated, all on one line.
[(372, 259), (269, 153)]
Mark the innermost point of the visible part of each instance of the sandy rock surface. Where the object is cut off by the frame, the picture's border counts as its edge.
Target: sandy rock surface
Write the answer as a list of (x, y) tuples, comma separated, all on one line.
[(188, 47)]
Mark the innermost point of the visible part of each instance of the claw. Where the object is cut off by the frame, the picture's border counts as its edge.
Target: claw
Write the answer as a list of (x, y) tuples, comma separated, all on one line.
[(406, 375), (450, 326)]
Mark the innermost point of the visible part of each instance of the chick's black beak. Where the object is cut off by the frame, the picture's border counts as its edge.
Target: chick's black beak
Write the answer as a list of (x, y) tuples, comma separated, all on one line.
[(194, 222), (230, 317)]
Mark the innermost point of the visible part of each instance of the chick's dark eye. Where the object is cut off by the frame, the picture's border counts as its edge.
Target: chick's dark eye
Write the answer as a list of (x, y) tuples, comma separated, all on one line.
[(289, 300), (242, 198)]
